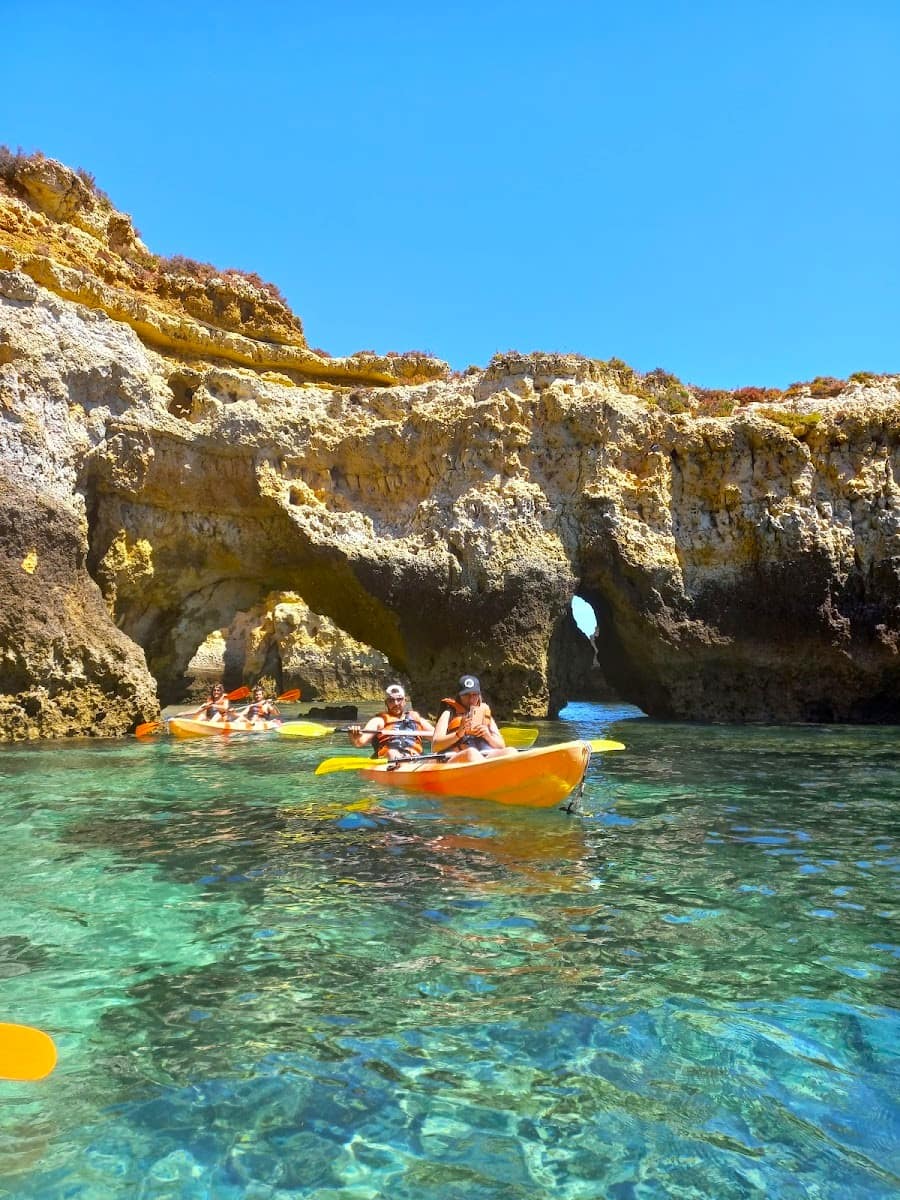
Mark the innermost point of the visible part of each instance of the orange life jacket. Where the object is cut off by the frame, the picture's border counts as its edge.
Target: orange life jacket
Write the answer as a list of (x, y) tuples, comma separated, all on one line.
[(261, 708), (411, 745), (463, 718)]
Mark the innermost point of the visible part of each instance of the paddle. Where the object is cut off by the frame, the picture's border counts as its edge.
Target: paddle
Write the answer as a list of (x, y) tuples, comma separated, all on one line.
[(240, 693), (284, 698), (329, 765), (154, 726), (25, 1053), (305, 729), (345, 763), (522, 737)]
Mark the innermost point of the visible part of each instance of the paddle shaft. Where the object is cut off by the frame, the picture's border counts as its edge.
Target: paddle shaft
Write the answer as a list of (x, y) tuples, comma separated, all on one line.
[(513, 735)]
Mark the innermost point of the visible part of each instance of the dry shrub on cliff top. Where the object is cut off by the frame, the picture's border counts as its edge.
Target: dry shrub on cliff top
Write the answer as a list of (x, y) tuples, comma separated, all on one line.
[(11, 163), (757, 395), (667, 391), (823, 387), (658, 388), (713, 402), (180, 264)]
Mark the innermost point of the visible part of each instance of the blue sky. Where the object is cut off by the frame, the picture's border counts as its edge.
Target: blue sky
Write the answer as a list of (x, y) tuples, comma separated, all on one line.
[(706, 187)]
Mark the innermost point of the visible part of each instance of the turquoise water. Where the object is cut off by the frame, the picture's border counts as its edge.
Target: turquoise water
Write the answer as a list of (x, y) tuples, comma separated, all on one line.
[(266, 984)]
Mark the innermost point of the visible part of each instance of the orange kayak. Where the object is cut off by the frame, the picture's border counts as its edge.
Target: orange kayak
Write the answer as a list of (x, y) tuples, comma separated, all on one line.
[(537, 778), (189, 727)]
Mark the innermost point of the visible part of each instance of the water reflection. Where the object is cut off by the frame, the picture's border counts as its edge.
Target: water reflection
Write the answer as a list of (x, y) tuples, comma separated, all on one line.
[(260, 979)]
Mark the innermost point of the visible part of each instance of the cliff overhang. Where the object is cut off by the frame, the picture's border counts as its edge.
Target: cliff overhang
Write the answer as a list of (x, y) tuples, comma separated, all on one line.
[(191, 456)]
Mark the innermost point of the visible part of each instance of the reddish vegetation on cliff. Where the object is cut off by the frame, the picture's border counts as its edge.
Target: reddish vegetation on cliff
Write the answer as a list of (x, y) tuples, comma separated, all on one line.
[(193, 458)]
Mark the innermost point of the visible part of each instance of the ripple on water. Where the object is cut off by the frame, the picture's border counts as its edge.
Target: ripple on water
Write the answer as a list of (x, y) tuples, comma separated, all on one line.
[(266, 983)]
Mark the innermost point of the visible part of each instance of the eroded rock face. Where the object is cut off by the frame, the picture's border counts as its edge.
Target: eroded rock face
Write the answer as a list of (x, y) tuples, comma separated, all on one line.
[(741, 568), (65, 671), (282, 639), (755, 575)]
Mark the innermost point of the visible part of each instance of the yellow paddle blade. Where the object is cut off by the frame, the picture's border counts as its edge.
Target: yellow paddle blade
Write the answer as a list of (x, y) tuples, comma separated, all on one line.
[(328, 765), (521, 736), (304, 729), (25, 1053), (598, 745)]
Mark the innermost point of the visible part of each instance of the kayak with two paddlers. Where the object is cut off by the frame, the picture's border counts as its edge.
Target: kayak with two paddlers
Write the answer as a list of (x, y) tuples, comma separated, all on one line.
[(536, 778)]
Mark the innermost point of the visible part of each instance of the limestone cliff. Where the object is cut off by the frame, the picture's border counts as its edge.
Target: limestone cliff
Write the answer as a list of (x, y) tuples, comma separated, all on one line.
[(200, 460)]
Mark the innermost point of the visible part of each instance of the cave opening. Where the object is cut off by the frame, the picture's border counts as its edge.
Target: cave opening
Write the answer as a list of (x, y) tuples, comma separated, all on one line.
[(585, 617)]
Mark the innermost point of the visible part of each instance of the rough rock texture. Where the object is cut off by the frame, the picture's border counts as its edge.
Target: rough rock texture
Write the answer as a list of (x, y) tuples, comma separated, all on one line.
[(65, 669), (742, 568), (284, 640)]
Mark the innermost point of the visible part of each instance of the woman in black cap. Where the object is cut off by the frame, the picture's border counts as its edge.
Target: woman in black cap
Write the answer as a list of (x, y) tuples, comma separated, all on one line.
[(466, 727)]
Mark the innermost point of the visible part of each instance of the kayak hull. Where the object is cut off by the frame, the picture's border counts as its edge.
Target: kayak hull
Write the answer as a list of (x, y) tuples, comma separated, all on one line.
[(538, 778), (189, 727)]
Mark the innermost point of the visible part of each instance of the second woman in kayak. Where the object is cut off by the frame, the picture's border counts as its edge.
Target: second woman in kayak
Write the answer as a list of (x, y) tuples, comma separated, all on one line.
[(466, 727)]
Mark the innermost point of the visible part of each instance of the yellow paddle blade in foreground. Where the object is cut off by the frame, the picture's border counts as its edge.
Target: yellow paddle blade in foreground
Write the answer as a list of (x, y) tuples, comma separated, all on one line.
[(304, 729), (522, 737), (598, 745), (25, 1053), (344, 763)]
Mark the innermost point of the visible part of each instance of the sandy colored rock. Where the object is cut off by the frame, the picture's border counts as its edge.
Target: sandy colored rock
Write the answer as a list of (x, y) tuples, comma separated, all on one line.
[(742, 567), (282, 639)]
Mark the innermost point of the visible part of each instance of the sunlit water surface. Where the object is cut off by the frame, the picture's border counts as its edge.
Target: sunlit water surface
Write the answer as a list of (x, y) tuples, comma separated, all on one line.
[(267, 984)]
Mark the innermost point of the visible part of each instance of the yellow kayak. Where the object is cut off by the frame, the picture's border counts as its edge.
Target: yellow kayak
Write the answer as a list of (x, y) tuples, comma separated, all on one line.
[(537, 778), (190, 727)]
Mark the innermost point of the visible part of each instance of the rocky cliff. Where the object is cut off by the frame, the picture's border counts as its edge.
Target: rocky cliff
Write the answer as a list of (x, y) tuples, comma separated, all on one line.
[(177, 458)]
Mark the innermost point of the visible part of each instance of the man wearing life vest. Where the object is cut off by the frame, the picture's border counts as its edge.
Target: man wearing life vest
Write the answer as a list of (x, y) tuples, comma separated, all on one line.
[(395, 733), (466, 727), (261, 711)]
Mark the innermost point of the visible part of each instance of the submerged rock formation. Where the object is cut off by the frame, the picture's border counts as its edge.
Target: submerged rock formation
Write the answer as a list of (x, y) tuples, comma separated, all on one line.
[(189, 456)]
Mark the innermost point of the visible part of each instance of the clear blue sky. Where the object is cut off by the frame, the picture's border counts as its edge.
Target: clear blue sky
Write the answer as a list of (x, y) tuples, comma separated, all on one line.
[(709, 187)]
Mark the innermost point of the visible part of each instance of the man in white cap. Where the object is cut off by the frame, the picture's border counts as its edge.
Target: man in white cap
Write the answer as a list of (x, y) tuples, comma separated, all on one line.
[(396, 732)]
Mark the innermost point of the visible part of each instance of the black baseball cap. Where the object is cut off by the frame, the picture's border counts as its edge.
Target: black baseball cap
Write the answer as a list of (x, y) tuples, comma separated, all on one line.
[(468, 683)]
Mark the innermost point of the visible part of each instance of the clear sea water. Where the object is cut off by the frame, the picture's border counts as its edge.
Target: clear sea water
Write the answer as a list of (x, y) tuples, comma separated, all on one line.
[(267, 984)]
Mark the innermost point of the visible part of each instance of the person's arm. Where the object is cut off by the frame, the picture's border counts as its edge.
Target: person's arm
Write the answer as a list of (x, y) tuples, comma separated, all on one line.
[(489, 732), (493, 735), (363, 737), (440, 739), (424, 725)]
